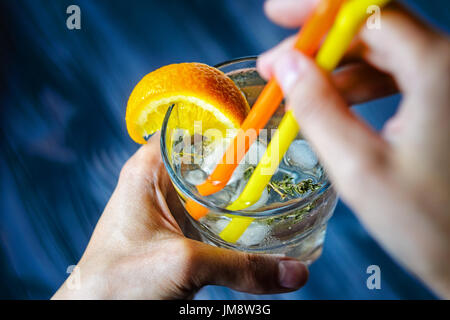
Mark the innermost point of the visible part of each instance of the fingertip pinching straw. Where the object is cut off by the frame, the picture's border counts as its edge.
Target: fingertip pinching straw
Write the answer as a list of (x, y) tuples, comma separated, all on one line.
[(345, 19)]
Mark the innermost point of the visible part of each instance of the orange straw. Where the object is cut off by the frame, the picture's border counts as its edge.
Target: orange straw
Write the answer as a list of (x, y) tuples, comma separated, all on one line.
[(308, 42)]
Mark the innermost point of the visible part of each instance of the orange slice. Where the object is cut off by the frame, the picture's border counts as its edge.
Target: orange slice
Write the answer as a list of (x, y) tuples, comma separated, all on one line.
[(201, 93)]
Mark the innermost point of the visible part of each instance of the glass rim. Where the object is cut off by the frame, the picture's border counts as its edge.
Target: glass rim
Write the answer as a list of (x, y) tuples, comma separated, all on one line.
[(236, 60), (219, 210)]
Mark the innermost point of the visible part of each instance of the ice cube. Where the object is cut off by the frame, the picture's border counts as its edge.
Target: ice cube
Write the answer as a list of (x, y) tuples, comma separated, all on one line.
[(261, 202), (239, 188), (251, 158), (214, 153), (195, 177), (301, 155), (254, 154), (258, 204), (254, 234), (216, 226), (222, 197)]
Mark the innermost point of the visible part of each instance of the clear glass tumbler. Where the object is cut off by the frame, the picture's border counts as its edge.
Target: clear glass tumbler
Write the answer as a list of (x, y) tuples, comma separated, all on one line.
[(294, 225)]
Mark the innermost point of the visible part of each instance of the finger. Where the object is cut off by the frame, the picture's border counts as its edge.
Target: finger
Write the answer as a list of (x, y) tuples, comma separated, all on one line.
[(359, 82), (402, 42), (347, 147), (253, 273), (289, 13), (266, 60), (145, 165), (356, 82), (405, 48), (144, 191)]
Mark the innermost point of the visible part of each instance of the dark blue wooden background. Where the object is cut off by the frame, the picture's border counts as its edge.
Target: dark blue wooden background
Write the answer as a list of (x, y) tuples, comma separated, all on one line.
[(63, 138)]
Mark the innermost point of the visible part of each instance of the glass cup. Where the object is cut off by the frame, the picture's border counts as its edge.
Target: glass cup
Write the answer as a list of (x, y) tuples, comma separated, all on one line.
[(293, 226)]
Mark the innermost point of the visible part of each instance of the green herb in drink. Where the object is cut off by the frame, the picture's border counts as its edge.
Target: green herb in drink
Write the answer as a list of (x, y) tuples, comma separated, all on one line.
[(248, 172), (286, 187)]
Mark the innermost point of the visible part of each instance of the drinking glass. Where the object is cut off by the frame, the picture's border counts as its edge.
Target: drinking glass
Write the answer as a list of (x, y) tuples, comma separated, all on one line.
[(294, 226)]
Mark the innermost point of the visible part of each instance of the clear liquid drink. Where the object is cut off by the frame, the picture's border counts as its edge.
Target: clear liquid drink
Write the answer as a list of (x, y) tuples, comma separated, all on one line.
[(291, 214)]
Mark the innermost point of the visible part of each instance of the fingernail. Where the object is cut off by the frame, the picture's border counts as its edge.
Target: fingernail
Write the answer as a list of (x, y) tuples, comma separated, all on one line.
[(292, 274), (288, 69)]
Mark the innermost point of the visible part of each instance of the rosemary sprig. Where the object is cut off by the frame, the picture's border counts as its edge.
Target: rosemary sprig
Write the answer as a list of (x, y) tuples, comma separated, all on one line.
[(193, 157), (248, 172), (274, 186), (294, 216), (286, 187), (182, 154), (307, 185)]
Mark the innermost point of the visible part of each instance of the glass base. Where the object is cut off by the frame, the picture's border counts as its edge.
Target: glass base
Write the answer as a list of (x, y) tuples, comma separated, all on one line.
[(306, 249)]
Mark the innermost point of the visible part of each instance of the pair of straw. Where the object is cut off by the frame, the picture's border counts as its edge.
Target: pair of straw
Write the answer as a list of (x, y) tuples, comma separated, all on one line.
[(345, 19)]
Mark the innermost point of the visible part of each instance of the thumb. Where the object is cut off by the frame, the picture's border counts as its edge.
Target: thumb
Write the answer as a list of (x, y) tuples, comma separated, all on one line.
[(344, 144), (252, 273)]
